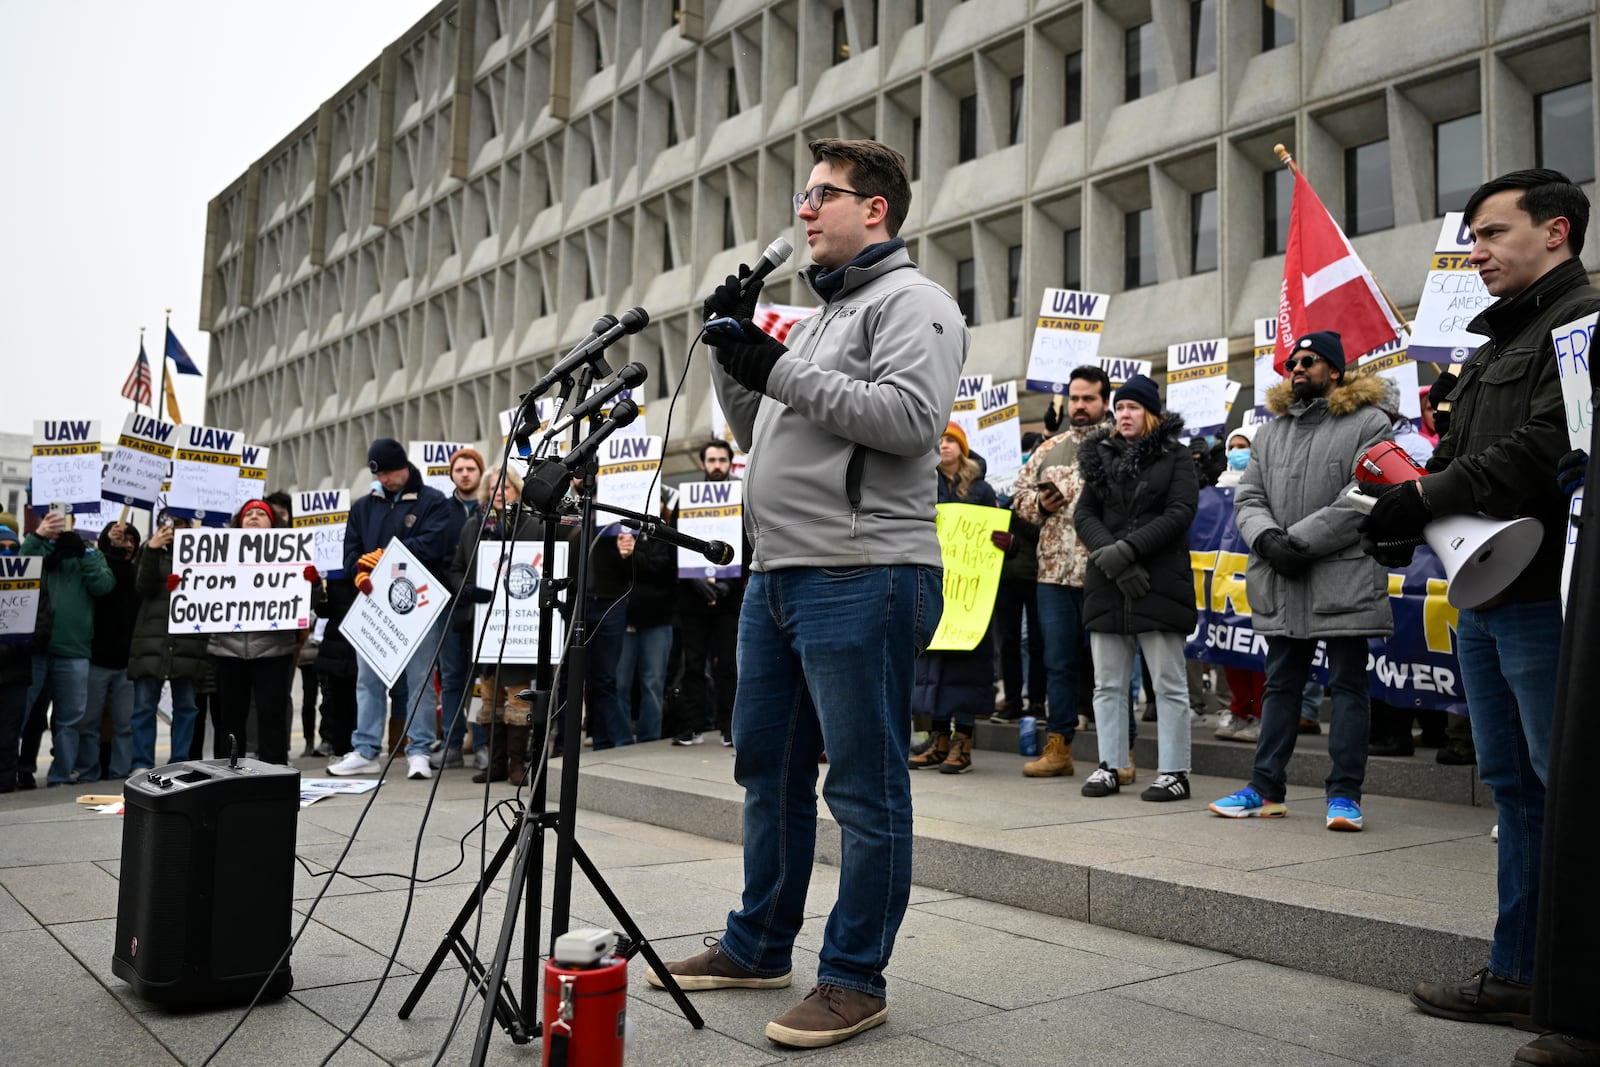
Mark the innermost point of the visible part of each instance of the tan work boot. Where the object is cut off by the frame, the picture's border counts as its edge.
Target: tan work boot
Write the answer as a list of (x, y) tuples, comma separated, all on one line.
[(1126, 775), (934, 756), (827, 1016), (1056, 760), (959, 761)]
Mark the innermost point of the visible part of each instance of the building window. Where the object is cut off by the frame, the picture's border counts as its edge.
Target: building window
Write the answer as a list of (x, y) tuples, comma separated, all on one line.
[(916, 148), (1014, 280), (968, 146), (1203, 231), (672, 122), (1563, 131), (1277, 197), (1074, 104), (733, 92), (1072, 259), (1202, 37), (666, 247), (1138, 249), (916, 14), (967, 290), (1457, 161), (1368, 194), (1277, 24), (872, 28), (1016, 110), (1355, 9), (1139, 61), (728, 238), (841, 39)]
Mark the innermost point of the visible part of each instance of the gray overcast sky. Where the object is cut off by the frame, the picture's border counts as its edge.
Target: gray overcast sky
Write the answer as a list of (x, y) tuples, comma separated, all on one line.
[(123, 118)]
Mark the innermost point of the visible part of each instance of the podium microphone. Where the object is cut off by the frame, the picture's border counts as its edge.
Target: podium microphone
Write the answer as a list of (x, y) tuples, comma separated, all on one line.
[(627, 378)]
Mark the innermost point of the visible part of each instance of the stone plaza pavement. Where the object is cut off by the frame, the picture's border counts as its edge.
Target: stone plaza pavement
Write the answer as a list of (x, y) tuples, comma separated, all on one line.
[(1027, 941)]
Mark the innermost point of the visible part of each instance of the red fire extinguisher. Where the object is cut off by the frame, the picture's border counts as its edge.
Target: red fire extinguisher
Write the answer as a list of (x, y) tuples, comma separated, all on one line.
[(585, 1001)]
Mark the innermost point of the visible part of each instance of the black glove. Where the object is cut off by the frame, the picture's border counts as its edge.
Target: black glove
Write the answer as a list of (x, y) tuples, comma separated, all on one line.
[(1570, 471), (730, 301), (476, 594), (1392, 554), (1134, 582), (750, 364), (1399, 514), (711, 591), (1113, 559), (1436, 462), (1287, 555), (1439, 392), (68, 546)]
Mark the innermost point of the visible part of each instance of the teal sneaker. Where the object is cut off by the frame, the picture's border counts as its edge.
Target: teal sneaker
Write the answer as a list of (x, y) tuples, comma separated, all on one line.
[(1247, 802), (1344, 814)]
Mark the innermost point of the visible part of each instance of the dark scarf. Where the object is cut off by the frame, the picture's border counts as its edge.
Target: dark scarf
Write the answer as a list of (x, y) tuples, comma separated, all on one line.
[(827, 283)]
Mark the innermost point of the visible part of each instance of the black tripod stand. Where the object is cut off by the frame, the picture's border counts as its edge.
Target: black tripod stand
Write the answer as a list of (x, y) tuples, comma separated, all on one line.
[(518, 1016)]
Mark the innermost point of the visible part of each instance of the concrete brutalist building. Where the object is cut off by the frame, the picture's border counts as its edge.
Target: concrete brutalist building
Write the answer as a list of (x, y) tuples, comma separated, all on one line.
[(414, 254)]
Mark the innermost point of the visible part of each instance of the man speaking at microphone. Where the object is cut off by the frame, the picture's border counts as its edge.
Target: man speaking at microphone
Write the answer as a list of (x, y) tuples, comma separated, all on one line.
[(842, 427), (1508, 431)]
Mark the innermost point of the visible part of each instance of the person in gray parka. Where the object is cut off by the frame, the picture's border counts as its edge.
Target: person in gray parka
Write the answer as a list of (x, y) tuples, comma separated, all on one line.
[(1308, 578)]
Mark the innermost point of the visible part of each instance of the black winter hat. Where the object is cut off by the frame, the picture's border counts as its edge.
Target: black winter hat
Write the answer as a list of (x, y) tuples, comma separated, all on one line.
[(1142, 391), (1324, 343), (386, 454)]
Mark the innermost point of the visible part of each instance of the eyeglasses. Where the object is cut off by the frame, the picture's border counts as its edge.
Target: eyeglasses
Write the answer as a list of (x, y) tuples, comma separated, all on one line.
[(818, 193), (1304, 362)]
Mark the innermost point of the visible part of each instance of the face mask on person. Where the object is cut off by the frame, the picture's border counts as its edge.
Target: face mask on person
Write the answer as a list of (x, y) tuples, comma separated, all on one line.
[(1238, 458), (8, 548)]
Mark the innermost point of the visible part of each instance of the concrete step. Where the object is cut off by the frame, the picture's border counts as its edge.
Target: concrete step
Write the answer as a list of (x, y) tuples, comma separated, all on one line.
[(1411, 898), (1415, 777)]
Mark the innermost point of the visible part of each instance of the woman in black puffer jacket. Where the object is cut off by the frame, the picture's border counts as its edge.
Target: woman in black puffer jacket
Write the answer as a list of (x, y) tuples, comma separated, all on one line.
[(1133, 514)]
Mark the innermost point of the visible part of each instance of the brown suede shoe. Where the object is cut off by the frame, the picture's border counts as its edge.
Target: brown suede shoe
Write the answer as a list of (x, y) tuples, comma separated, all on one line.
[(1559, 1050), (712, 970), (827, 1016), (1483, 998), (1055, 761)]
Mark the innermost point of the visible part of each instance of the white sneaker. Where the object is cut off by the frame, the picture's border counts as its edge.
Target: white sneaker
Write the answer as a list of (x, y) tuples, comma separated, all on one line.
[(1226, 725), (353, 762), (1494, 833), (417, 767), (1247, 730)]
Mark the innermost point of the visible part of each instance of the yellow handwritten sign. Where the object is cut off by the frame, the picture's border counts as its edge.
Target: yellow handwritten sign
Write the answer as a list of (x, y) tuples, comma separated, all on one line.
[(971, 573)]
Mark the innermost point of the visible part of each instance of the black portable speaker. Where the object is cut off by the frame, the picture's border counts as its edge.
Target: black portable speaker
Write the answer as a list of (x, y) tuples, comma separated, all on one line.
[(205, 902)]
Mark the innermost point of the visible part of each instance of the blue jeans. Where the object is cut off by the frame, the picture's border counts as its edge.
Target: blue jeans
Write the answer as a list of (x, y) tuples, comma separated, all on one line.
[(1508, 659), (645, 652), (67, 682), (609, 722), (185, 713), (455, 679), (826, 660), (109, 688), (1288, 667), (1061, 622), (372, 699)]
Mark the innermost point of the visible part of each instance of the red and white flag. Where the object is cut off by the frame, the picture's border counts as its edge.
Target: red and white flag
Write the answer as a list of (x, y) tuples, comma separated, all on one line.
[(1326, 286), (137, 387), (776, 320)]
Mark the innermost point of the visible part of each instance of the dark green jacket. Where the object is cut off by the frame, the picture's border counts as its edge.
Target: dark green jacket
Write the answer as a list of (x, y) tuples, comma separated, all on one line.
[(73, 584), (154, 653), (1508, 424)]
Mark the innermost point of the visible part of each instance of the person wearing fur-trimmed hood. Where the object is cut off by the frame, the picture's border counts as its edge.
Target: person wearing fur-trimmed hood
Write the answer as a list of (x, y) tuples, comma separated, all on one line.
[(1139, 495), (1308, 578)]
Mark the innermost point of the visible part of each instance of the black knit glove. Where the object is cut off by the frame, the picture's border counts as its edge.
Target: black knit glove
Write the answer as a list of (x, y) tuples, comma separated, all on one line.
[(1113, 559), (1287, 555), (476, 594), (1399, 514), (1134, 582), (1395, 555), (730, 301), (750, 363), (1570, 471), (68, 546)]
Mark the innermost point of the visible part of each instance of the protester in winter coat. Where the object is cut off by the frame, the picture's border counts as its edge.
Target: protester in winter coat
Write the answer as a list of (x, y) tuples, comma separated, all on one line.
[(156, 656), (256, 665), (16, 674), (109, 688), (1138, 499), (955, 686), (1241, 720)]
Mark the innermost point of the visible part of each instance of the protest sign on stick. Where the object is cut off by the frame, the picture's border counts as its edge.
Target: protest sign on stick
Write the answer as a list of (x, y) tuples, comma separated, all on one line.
[(1197, 384), (432, 458), (711, 511), (507, 628), (1572, 344), (66, 464), (1452, 296), (388, 626), (135, 471), (21, 578), (252, 485), (1067, 335), (629, 472), (205, 474), (998, 436), (325, 514)]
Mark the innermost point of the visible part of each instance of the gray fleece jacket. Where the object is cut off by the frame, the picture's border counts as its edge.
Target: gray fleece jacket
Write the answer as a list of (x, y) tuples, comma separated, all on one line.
[(845, 449)]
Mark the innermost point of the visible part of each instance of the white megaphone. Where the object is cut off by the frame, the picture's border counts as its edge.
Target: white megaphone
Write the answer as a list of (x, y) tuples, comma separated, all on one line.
[(1481, 556)]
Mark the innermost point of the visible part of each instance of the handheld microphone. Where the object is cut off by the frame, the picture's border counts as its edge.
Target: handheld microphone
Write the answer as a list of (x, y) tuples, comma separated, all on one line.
[(775, 256), (627, 378), (604, 334)]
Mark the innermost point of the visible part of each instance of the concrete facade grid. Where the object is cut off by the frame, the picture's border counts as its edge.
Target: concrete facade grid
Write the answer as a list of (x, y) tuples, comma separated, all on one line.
[(409, 258)]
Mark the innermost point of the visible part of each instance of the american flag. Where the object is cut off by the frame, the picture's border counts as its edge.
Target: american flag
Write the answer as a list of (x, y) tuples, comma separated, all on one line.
[(137, 387)]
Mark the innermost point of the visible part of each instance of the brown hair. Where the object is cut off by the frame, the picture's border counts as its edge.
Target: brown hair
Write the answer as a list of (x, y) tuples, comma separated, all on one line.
[(875, 170)]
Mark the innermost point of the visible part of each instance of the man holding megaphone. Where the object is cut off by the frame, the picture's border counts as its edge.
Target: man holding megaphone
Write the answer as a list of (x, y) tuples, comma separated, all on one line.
[(1507, 433)]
